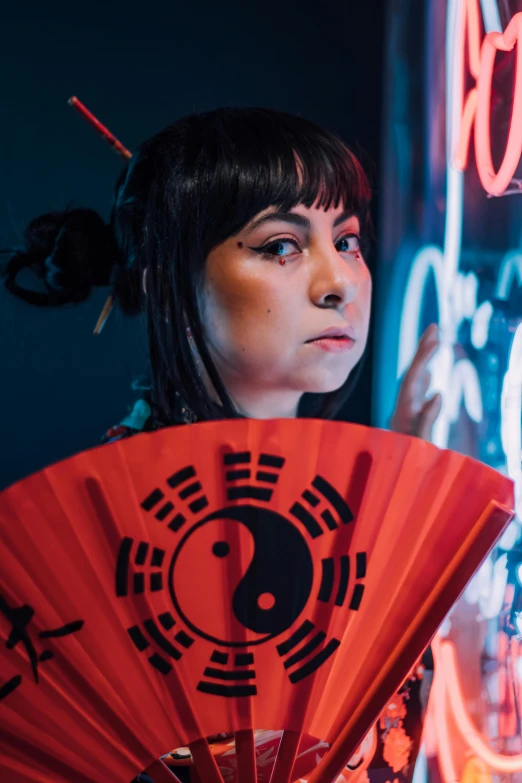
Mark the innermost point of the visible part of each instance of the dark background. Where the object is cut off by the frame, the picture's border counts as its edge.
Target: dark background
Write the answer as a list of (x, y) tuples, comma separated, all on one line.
[(139, 66)]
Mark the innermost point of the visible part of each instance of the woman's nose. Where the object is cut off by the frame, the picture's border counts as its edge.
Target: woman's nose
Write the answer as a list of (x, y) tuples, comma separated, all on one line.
[(335, 280)]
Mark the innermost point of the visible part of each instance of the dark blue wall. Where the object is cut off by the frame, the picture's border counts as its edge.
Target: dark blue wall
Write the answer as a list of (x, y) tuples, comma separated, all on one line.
[(139, 66)]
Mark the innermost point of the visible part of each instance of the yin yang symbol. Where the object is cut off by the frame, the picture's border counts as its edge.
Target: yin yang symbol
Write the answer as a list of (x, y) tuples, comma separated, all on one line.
[(241, 576)]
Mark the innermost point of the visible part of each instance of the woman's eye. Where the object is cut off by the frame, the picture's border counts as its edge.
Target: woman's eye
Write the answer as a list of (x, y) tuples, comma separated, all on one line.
[(349, 244), (278, 248)]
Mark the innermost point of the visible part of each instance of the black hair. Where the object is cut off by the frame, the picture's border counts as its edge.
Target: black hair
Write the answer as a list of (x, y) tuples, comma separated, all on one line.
[(187, 189)]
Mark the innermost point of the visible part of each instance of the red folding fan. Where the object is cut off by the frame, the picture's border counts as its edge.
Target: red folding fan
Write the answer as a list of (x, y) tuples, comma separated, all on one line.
[(222, 577)]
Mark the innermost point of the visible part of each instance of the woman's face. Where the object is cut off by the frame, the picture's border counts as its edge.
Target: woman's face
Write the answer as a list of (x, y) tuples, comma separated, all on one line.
[(260, 316)]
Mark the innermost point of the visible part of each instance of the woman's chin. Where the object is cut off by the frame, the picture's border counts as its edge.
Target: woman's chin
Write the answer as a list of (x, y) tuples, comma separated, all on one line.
[(324, 384)]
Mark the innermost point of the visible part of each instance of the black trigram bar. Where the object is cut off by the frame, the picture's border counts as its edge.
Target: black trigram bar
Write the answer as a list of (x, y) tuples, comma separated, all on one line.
[(269, 461), (308, 517), (244, 659), (249, 492), (305, 650), (177, 481), (300, 653), (228, 691), (142, 553), (306, 628), (237, 475), (357, 595), (222, 674), (329, 570), (237, 458), (327, 579), (314, 663), (219, 657), (310, 498), (252, 491), (360, 565), (142, 643), (181, 476), (344, 562), (180, 481), (311, 525), (337, 502), (167, 508), (152, 500), (167, 620), (229, 682)]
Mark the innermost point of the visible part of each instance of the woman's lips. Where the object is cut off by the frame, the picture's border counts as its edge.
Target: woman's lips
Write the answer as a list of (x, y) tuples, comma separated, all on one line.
[(334, 344)]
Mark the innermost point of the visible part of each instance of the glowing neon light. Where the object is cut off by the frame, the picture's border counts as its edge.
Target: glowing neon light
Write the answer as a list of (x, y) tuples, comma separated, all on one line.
[(448, 690), (511, 435), (487, 589), (475, 110), (456, 295), (480, 325)]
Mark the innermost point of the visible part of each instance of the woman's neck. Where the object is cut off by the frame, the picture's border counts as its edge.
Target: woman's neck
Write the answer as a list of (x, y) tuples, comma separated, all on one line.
[(259, 403), (267, 405)]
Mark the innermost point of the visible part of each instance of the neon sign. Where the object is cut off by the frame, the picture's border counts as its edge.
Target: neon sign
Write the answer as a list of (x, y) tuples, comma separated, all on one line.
[(475, 109), (469, 52), (457, 379)]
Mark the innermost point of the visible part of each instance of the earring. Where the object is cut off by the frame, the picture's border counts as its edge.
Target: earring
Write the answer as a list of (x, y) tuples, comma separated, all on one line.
[(282, 261)]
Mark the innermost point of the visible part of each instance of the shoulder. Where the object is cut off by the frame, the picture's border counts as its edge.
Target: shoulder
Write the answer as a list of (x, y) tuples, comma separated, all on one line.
[(138, 420)]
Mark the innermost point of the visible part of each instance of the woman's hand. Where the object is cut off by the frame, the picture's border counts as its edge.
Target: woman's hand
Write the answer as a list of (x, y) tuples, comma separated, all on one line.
[(414, 414)]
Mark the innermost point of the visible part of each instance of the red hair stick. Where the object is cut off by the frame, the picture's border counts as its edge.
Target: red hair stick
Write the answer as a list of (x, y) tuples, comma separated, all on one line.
[(100, 128)]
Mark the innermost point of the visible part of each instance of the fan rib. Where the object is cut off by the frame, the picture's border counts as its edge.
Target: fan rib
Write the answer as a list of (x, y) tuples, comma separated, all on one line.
[(122, 567), (205, 762), (246, 756), (286, 754), (160, 773)]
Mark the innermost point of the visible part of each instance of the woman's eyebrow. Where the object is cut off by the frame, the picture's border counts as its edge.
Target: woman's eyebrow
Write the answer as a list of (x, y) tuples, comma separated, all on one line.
[(294, 219), (285, 217)]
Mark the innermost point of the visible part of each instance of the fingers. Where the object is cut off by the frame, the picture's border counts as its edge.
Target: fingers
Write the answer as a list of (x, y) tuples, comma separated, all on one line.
[(414, 414), (428, 416), (427, 347)]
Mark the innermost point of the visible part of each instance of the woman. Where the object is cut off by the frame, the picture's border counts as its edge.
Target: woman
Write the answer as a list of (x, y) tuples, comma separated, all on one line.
[(243, 235)]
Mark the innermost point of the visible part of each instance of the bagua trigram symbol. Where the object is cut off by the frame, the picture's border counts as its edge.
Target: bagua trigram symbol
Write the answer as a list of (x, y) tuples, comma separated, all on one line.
[(268, 600)]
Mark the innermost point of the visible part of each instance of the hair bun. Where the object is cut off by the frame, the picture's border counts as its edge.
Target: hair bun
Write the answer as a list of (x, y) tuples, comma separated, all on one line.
[(69, 252)]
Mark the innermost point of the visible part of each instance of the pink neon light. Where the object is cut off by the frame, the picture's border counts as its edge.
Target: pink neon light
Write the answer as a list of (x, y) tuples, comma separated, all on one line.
[(448, 687), (476, 107)]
